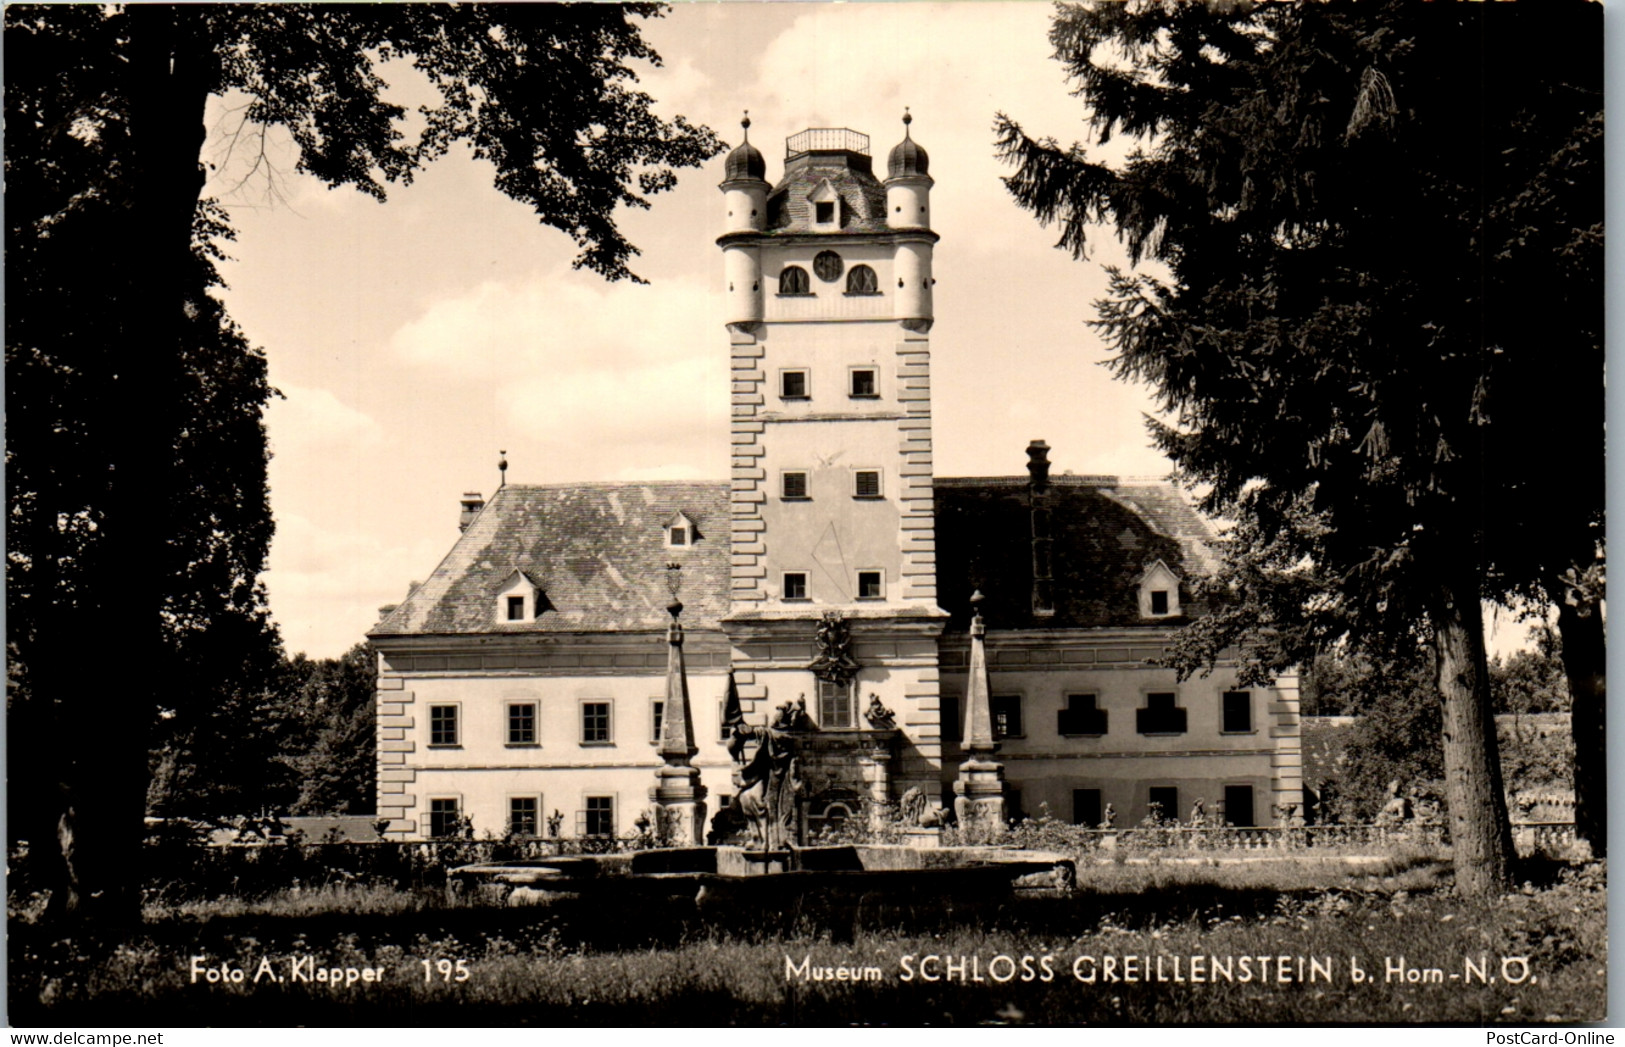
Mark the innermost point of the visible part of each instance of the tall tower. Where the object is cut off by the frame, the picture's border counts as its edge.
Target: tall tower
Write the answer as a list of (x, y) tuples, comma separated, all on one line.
[(829, 293)]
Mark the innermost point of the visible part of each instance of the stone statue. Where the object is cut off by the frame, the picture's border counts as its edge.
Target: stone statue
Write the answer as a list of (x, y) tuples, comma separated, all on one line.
[(769, 783), (915, 810), (1198, 813), (912, 806), (1108, 817), (1397, 811), (879, 717)]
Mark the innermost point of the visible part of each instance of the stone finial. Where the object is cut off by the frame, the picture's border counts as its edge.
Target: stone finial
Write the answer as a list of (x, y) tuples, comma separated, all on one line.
[(502, 468)]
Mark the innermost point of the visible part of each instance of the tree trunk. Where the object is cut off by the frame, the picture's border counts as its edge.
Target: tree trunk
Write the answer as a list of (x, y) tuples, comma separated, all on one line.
[(1480, 832), (1585, 663), (107, 661)]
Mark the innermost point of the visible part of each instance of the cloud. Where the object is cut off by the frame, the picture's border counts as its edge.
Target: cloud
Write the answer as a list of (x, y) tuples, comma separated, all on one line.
[(312, 420), (581, 371), (327, 583)]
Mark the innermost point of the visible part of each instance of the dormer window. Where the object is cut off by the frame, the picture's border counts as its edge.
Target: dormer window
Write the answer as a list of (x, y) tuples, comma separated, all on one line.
[(680, 532), (826, 206), (1159, 592), (521, 600)]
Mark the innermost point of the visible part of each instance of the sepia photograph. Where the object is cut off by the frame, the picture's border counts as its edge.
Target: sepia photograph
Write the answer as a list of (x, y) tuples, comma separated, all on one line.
[(805, 514)]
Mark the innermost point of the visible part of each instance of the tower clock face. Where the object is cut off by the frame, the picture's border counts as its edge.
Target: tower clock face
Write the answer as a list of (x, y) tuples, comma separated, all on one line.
[(828, 266)]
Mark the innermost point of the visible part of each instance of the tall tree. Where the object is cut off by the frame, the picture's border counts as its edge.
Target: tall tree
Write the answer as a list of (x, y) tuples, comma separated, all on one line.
[(134, 448), (334, 752), (1340, 200)]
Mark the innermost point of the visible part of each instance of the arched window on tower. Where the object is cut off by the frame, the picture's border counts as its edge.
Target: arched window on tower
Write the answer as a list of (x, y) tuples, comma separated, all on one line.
[(861, 280), (793, 280)]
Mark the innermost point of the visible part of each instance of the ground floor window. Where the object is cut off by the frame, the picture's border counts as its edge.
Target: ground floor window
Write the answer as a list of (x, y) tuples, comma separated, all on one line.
[(1164, 802), (522, 815), (599, 817), (1086, 809), (445, 816), (1238, 712), (834, 704), (1160, 715), (595, 723), (1082, 715), (1006, 710), (1238, 806)]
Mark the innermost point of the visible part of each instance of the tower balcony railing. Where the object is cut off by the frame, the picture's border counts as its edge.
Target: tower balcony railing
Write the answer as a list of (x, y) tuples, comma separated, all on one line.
[(826, 140)]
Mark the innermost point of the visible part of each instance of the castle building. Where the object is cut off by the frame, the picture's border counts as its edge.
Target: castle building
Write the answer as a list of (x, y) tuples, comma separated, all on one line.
[(831, 573)]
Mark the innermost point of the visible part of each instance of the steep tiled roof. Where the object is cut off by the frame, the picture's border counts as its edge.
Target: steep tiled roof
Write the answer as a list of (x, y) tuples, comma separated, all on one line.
[(1105, 532), (598, 552), (863, 199)]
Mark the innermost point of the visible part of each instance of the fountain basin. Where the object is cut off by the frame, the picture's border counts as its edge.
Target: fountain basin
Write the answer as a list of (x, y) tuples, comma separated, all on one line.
[(851, 874)]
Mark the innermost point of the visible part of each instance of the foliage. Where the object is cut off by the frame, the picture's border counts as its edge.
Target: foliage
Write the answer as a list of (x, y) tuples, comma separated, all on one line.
[(135, 448), (332, 748), (1374, 417), (574, 963), (1531, 681), (1539, 761)]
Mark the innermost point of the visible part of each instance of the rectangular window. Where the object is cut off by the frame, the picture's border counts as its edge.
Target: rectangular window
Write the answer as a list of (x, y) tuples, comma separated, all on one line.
[(824, 211), (793, 385), (1006, 709), (834, 704), (868, 483), (1238, 712), (1238, 806), (793, 486), (871, 585), (516, 608), (1159, 601), (600, 816), (795, 585), (1160, 715), (1164, 802), (595, 723), (1082, 715), (522, 814), (521, 723), (679, 536), (1086, 808), (443, 725), (657, 718), (445, 817), (865, 383)]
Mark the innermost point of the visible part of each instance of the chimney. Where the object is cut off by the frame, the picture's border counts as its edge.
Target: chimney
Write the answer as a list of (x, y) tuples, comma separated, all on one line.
[(1038, 502), (473, 502), (1038, 465)]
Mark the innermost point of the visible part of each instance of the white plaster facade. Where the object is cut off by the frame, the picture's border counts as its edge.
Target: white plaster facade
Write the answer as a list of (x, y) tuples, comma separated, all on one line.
[(587, 650)]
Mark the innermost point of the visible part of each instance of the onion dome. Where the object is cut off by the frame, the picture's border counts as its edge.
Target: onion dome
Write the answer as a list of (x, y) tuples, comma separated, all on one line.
[(907, 158), (746, 160)]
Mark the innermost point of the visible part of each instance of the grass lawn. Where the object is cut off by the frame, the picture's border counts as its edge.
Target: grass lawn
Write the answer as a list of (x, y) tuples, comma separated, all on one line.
[(1255, 942)]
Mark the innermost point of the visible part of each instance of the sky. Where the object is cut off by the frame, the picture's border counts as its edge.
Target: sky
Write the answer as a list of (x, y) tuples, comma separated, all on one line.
[(414, 340)]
